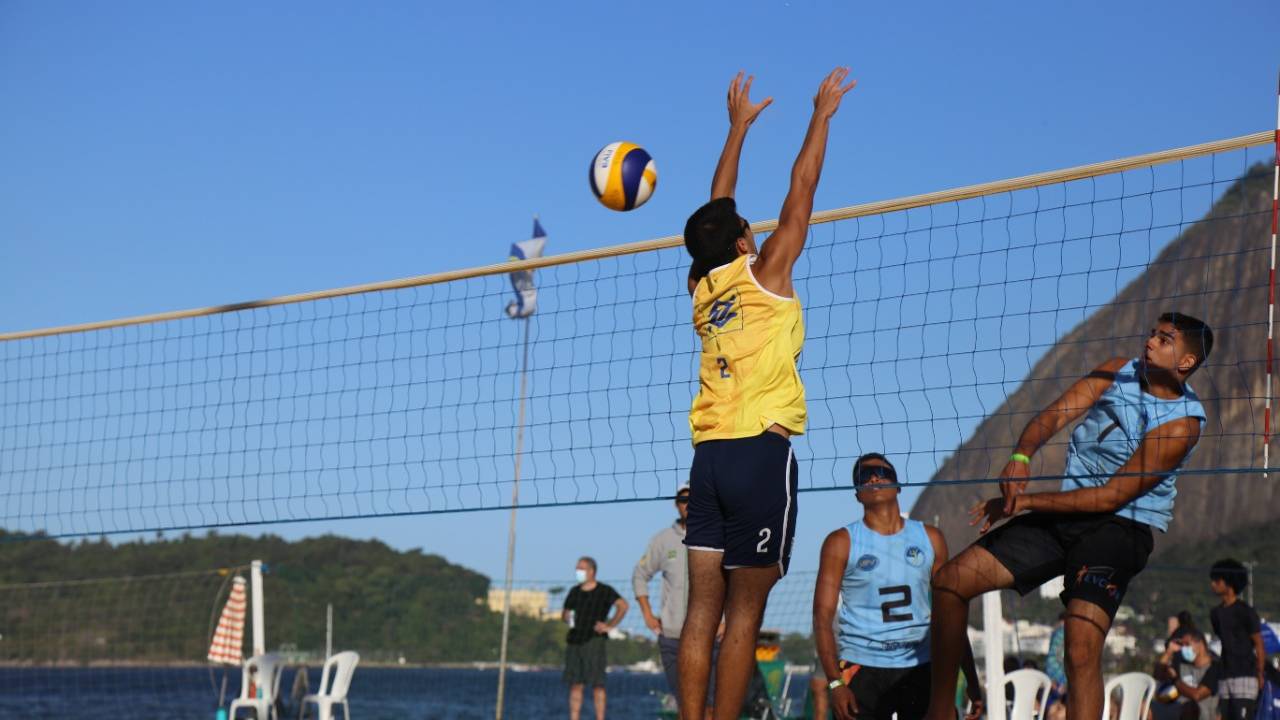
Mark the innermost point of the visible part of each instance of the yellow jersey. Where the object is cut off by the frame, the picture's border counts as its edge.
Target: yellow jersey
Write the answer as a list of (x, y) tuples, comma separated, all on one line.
[(751, 340)]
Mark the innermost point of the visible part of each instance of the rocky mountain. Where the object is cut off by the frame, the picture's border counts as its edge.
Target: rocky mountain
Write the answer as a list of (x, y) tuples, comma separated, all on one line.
[(1216, 269)]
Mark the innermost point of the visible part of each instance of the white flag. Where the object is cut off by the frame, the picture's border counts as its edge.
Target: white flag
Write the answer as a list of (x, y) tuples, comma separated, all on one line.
[(526, 301)]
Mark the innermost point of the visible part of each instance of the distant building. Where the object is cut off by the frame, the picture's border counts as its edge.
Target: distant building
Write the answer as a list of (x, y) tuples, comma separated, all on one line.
[(1033, 638), (529, 603)]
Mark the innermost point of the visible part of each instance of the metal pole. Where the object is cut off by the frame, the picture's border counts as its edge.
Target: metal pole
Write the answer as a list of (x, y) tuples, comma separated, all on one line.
[(993, 641), (1248, 590), (511, 529), (328, 632), (1271, 298), (255, 591)]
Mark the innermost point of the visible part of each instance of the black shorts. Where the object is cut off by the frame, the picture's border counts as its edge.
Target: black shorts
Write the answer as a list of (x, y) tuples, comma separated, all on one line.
[(742, 500), (1098, 554), (883, 692), (585, 663)]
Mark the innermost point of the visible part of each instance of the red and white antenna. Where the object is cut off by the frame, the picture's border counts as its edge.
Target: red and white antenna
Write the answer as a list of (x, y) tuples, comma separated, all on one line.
[(1271, 295)]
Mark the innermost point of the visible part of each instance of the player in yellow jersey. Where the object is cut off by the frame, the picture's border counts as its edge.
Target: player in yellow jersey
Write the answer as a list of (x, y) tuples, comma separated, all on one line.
[(742, 510)]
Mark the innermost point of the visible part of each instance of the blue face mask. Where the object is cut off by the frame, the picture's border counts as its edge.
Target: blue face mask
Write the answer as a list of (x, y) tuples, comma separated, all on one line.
[(1188, 653), (581, 575)]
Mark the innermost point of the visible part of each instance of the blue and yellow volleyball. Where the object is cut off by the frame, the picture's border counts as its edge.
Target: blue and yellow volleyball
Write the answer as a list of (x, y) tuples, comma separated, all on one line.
[(623, 176)]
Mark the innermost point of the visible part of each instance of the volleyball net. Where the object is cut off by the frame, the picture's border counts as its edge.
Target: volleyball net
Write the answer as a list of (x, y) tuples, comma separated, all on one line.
[(936, 326), (924, 316)]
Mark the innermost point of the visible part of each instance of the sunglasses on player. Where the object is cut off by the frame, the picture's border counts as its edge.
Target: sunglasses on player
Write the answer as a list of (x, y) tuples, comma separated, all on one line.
[(867, 472), (682, 499)]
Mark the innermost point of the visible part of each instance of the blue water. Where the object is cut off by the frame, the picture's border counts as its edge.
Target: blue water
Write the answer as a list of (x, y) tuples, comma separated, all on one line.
[(149, 693)]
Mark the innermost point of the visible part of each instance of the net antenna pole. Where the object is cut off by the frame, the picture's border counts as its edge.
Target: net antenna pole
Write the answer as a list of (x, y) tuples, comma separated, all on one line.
[(1271, 295), (993, 647), (255, 593), (511, 528)]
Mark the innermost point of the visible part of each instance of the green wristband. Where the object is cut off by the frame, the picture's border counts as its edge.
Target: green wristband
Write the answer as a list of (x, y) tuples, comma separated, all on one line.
[(1019, 457)]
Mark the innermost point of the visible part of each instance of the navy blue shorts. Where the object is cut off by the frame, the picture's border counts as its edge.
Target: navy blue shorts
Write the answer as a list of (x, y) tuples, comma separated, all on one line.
[(742, 500)]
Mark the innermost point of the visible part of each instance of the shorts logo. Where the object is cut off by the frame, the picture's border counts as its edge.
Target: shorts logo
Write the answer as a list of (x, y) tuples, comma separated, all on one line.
[(671, 554), (915, 556), (1099, 576), (867, 562)]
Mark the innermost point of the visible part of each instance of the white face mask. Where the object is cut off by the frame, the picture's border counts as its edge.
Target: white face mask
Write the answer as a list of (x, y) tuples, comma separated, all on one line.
[(580, 574), (1188, 653)]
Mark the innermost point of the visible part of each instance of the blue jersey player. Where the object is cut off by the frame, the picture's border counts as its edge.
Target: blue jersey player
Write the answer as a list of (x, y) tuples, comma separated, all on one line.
[(874, 586), (1139, 420)]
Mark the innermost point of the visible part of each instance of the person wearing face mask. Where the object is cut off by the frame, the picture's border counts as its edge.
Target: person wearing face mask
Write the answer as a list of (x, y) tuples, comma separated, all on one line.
[(586, 609), (1193, 672), (873, 586)]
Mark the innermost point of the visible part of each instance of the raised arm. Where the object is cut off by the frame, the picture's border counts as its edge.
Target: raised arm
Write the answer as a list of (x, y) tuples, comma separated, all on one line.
[(1160, 452), (742, 112), (783, 247), (1073, 403)]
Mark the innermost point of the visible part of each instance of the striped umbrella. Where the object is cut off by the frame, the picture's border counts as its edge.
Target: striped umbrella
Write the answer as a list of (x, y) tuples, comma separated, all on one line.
[(228, 639)]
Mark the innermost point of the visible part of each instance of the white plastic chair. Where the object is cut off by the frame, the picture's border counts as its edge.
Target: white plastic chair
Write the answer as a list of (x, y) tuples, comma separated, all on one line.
[(268, 669), (1136, 691), (335, 680), (1029, 688)]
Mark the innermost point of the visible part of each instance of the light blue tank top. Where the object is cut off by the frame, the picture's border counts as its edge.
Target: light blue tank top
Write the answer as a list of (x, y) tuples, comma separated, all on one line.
[(884, 597), (1110, 433)]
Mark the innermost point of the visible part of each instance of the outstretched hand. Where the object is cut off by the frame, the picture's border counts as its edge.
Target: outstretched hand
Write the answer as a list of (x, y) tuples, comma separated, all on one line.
[(990, 512), (742, 112), (831, 92)]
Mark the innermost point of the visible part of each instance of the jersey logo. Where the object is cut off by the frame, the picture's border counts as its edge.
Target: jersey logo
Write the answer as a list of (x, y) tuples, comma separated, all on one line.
[(671, 554), (867, 562), (725, 316), (915, 556), (722, 312)]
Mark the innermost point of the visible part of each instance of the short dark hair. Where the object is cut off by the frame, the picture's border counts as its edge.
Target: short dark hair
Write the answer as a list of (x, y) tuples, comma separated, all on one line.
[(1184, 633), (710, 234), (1195, 332), (1185, 622), (590, 561), (1231, 572), (865, 457)]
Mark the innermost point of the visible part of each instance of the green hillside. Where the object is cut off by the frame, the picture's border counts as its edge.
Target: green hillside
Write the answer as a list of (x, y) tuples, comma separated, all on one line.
[(387, 604)]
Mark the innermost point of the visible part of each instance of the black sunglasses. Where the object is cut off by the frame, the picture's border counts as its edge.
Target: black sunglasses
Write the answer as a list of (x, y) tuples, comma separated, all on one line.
[(871, 471), (682, 499)]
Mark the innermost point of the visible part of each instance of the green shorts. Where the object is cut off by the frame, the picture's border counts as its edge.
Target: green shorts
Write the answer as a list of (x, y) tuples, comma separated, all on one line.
[(585, 663)]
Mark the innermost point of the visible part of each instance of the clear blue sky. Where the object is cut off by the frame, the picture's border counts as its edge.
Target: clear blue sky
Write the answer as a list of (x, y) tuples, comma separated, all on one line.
[(156, 156)]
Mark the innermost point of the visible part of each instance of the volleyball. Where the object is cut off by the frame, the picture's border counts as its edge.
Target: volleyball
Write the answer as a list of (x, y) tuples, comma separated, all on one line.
[(623, 176), (1167, 693)]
